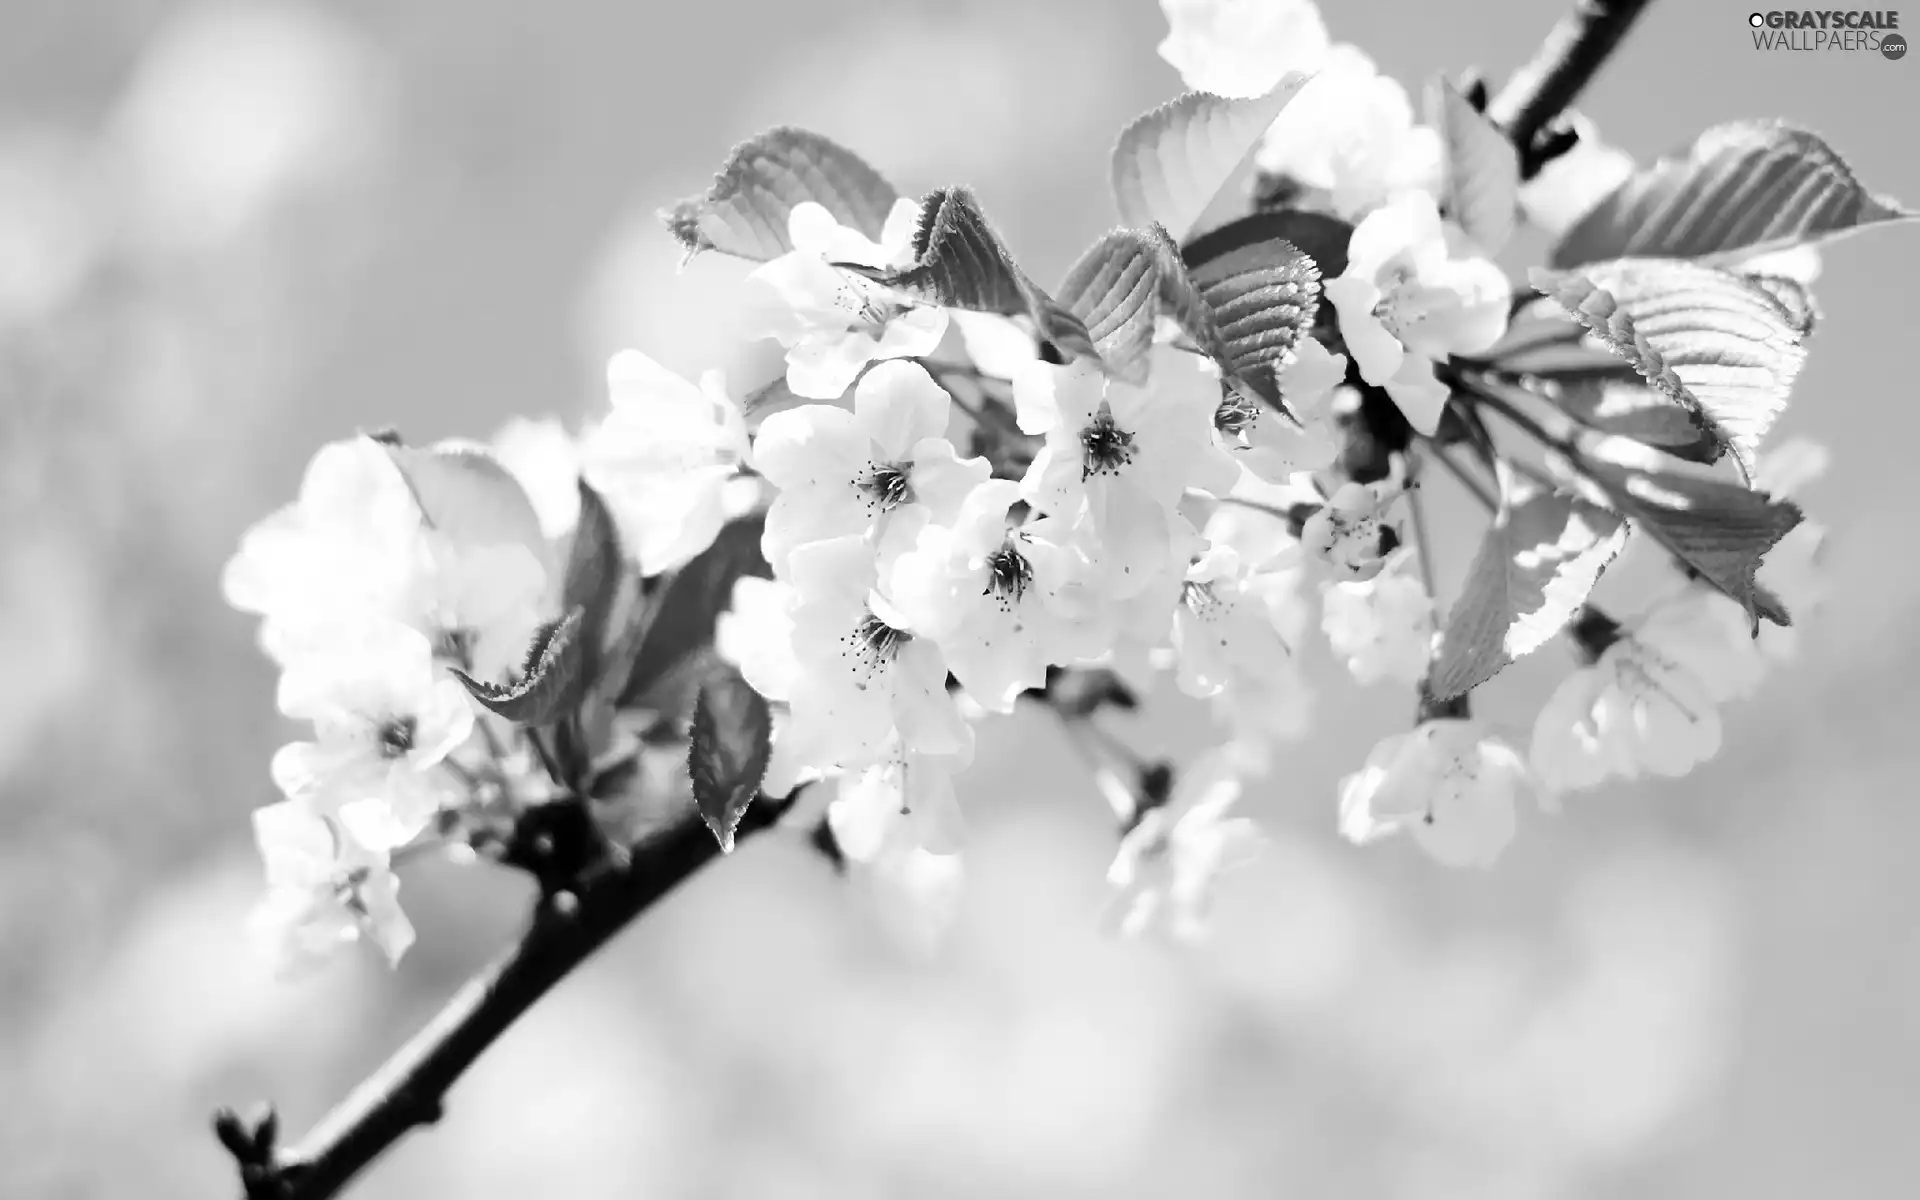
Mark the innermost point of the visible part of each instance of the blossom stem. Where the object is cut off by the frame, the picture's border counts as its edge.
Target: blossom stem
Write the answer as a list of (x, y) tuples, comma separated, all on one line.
[(409, 1090), (1422, 537), (1566, 62)]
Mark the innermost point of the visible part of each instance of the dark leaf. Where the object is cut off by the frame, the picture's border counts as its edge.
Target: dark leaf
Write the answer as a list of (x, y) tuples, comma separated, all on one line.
[(960, 262), (1721, 530), (1262, 298), (1322, 238), (594, 578), (1536, 565), (1119, 288), (551, 681), (727, 751), (1631, 409), (679, 622), (1171, 163), (1722, 348), (1741, 189), (744, 212)]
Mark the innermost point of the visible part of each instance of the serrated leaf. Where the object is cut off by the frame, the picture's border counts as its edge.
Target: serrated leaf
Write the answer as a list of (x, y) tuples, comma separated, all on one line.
[(728, 748), (1482, 191), (1170, 163), (551, 681), (1725, 350), (594, 576), (679, 622), (1630, 409), (1535, 567), (1263, 298), (1542, 340), (961, 262), (744, 212), (1739, 190), (1322, 238), (1721, 530), (465, 494), (1120, 287)]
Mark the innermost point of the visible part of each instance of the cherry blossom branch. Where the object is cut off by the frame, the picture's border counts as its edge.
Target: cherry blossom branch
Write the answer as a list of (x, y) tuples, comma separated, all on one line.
[(409, 1089), (1569, 58)]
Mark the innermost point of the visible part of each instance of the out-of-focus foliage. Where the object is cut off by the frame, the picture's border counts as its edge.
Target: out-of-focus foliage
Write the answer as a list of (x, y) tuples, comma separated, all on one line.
[(231, 231)]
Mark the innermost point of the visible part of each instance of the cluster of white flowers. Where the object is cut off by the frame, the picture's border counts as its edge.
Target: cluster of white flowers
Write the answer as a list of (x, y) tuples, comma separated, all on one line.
[(1165, 520)]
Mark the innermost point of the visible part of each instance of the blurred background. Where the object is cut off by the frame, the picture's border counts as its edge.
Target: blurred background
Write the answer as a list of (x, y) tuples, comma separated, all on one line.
[(230, 231)]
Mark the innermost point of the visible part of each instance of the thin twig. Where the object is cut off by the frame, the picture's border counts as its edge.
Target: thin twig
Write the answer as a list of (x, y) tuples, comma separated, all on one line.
[(408, 1090), (1572, 54), (1422, 538)]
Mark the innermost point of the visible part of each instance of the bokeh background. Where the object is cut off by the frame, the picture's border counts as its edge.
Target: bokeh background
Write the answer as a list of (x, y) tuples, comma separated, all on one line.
[(229, 231)]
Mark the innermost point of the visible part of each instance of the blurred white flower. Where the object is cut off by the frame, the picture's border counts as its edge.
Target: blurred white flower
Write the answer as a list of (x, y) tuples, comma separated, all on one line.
[(1406, 301), (385, 717), (1350, 531), (883, 471), (1350, 135), (323, 890), (350, 544), (834, 321), (663, 457), (1241, 47), (1169, 862), (755, 635), (545, 459), (1382, 628), (1223, 628), (1448, 782), (1650, 703), (896, 801)]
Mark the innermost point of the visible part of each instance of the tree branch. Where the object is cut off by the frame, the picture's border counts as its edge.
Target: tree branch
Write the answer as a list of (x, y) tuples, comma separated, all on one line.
[(1573, 53), (408, 1090)]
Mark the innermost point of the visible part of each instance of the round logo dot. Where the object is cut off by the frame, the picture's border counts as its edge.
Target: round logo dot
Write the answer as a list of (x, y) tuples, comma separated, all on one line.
[(1756, 20), (1893, 46)]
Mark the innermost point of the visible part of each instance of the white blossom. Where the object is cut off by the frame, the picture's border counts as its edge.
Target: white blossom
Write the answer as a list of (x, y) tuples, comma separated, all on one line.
[(1169, 862), (1005, 601), (323, 890), (1383, 627), (1406, 300), (1276, 446), (1223, 629), (883, 471), (834, 321), (1241, 47), (1120, 458), (663, 458), (385, 717), (1350, 137), (865, 680), (1649, 705), (1448, 782)]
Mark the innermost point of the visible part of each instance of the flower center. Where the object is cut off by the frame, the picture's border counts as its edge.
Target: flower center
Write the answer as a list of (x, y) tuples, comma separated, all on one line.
[(887, 486), (396, 736), (1394, 310), (1236, 417), (879, 640), (1009, 574), (1106, 447)]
